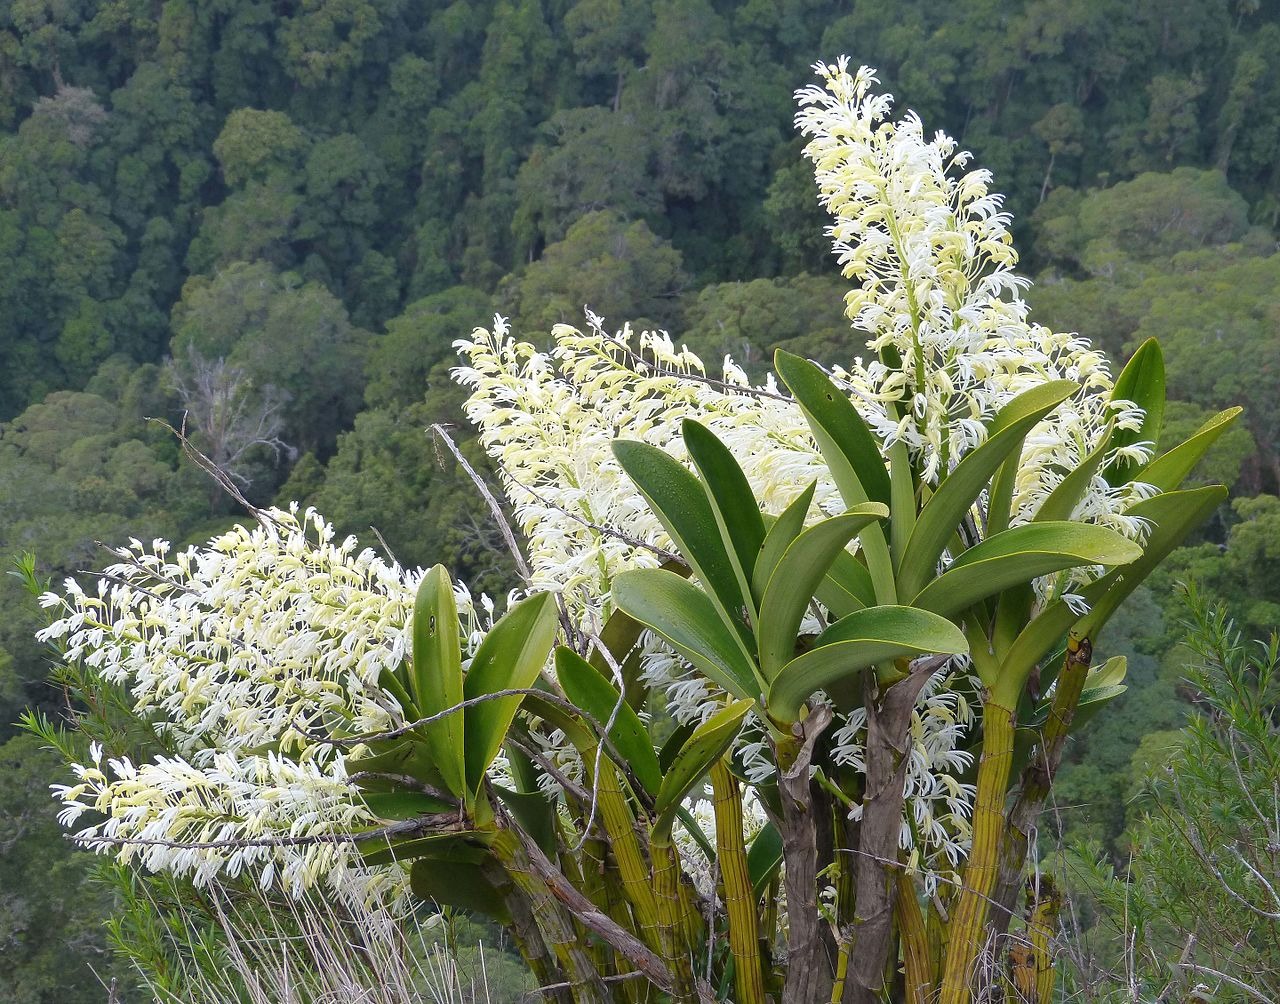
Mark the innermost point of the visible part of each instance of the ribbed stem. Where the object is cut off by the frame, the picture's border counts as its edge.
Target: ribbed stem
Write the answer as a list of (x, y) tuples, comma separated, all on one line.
[(740, 900), (1037, 777), (675, 951), (553, 921), (915, 942), (968, 923), (633, 869)]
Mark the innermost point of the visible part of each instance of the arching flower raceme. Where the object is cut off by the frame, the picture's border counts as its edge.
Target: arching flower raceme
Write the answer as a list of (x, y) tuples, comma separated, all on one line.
[(271, 636), (950, 341)]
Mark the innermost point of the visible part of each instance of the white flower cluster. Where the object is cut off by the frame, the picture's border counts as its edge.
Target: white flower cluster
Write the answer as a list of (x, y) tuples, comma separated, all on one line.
[(950, 340), (548, 420), (242, 653), (227, 816)]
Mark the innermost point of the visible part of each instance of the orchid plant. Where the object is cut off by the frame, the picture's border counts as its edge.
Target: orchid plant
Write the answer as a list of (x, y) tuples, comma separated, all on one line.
[(774, 710)]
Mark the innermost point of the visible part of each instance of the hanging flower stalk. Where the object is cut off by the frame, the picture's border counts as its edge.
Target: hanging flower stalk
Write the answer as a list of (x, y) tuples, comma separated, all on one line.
[(852, 589)]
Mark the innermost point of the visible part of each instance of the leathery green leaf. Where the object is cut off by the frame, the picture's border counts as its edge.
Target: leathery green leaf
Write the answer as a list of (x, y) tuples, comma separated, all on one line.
[(1169, 470), (798, 575), (1172, 515), (681, 504), (850, 449), (959, 491), (1019, 556), (1142, 382), (847, 586), (590, 691), (733, 503), (685, 617), (709, 742), (851, 644), (781, 533), (437, 676), (510, 658), (764, 857)]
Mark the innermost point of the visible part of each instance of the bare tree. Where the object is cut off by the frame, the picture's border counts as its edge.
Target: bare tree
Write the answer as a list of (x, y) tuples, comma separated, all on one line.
[(234, 419)]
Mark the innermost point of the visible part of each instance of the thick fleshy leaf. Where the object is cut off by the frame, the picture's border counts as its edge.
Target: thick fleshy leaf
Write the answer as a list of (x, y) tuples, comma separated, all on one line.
[(535, 813), (959, 491), (782, 532), (437, 676), (1142, 382), (685, 617), (764, 857), (510, 658), (1169, 470), (620, 635), (1091, 701), (796, 577), (852, 453), (393, 805), (847, 586), (1019, 556), (853, 643), (1109, 674), (459, 884), (1173, 516), (681, 504), (733, 503), (850, 449), (709, 742), (438, 846), (594, 694)]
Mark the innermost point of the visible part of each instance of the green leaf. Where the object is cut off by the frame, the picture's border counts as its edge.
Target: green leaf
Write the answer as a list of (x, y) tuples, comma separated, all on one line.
[(1021, 555), (437, 676), (797, 575), (1173, 516), (620, 636), (1109, 674), (595, 695), (510, 658), (461, 885), (1091, 702), (1169, 470), (675, 743), (536, 815), (850, 449), (853, 643), (685, 617), (783, 531), (764, 858), (733, 503), (709, 742), (681, 504), (847, 586), (449, 847), (957, 494), (1142, 382), (395, 805), (852, 453)]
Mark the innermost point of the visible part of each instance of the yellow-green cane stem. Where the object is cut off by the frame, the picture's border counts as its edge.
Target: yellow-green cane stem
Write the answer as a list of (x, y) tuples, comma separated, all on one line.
[(1037, 777), (842, 970), (634, 871), (740, 900), (675, 950), (968, 923), (552, 919), (915, 942)]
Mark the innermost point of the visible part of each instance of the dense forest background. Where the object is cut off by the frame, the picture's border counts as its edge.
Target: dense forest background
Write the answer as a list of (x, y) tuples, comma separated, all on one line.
[(274, 218)]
